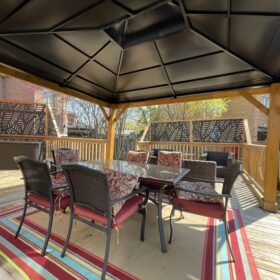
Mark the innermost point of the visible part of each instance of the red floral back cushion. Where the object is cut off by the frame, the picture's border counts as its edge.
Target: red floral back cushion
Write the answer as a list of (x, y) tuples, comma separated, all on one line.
[(140, 157), (64, 157), (120, 184), (173, 159)]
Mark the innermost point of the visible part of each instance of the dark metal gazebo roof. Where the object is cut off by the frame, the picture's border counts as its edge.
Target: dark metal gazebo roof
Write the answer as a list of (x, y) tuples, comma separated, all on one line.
[(122, 51)]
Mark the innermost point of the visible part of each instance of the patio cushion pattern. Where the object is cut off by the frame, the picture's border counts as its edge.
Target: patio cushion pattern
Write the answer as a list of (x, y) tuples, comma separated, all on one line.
[(140, 157), (59, 181), (120, 185), (64, 157), (129, 207), (205, 188), (213, 210), (58, 203), (173, 159)]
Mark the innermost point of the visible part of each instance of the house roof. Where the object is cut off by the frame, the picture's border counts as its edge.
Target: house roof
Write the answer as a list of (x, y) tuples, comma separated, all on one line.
[(126, 51)]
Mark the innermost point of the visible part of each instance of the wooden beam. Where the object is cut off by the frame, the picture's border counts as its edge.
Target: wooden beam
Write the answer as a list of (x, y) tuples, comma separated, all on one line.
[(197, 97), (272, 154), (111, 134), (247, 131), (104, 112), (255, 102), (47, 84), (119, 114)]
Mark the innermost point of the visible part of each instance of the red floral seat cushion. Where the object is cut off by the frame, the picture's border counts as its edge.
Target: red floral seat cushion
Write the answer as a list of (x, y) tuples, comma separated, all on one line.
[(206, 188), (140, 157), (64, 157), (129, 207), (173, 159), (120, 185)]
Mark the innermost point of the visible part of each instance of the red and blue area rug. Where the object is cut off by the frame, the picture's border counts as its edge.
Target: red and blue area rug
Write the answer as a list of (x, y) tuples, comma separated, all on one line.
[(21, 257)]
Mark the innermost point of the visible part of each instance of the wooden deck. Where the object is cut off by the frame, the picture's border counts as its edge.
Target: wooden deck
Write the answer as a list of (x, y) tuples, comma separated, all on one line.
[(263, 228)]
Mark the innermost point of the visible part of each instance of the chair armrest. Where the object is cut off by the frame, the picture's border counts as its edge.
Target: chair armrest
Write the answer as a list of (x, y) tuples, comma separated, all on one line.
[(132, 194), (60, 187), (55, 172), (203, 193)]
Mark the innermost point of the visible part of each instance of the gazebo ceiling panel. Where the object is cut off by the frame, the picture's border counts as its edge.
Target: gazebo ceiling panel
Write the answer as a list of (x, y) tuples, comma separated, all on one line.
[(213, 26), (266, 6), (202, 5), (120, 51), (35, 15), (202, 67), (188, 45), (232, 80), (138, 95), (249, 43), (99, 75), (104, 13), (16, 57), (142, 79), (135, 5), (87, 41), (108, 57), (139, 57), (90, 89), (43, 46)]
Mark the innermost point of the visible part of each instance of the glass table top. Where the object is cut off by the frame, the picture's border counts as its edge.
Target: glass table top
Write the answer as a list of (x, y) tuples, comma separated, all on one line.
[(153, 172)]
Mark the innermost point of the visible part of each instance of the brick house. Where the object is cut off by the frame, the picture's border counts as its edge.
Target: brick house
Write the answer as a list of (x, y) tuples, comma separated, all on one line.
[(14, 89)]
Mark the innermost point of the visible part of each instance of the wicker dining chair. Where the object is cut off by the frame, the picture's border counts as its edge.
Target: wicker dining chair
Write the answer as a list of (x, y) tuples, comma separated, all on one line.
[(41, 193), (202, 199), (92, 203)]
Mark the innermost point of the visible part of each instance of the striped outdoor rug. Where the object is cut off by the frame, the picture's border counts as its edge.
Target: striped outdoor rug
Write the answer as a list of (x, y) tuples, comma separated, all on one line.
[(22, 259), (216, 262)]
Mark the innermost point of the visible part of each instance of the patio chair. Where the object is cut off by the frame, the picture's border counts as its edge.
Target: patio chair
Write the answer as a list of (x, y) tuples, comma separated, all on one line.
[(137, 156), (223, 159), (104, 200), (202, 199), (63, 156), (154, 155), (42, 192)]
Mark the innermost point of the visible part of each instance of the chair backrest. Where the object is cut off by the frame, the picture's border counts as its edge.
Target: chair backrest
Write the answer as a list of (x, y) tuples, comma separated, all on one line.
[(232, 172), (219, 157), (173, 159), (139, 157), (155, 152), (36, 176), (64, 156), (88, 187)]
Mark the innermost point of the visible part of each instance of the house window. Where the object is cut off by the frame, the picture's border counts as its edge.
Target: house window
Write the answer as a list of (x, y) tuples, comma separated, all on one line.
[(262, 132), (265, 101)]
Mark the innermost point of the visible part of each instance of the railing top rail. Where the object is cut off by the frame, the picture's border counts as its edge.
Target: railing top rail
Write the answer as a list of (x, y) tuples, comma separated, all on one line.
[(191, 143), (101, 141)]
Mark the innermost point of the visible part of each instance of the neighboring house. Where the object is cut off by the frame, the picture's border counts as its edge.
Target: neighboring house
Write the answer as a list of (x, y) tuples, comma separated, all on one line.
[(240, 107), (17, 90)]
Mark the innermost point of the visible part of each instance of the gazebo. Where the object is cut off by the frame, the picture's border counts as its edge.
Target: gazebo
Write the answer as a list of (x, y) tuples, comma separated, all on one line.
[(122, 54)]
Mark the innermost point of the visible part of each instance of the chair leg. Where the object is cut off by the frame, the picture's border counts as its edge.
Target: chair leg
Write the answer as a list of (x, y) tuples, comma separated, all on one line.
[(68, 234), (107, 250), (22, 219), (48, 233), (170, 224), (227, 237), (143, 212)]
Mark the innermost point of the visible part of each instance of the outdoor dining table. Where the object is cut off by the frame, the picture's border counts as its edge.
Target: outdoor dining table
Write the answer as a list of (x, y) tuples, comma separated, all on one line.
[(162, 175)]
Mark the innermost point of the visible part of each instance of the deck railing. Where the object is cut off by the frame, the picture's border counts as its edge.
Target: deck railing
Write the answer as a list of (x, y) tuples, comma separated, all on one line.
[(89, 149), (253, 160), (192, 150)]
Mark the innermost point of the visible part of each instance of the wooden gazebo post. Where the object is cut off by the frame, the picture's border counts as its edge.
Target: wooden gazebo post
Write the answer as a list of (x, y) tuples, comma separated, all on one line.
[(272, 152)]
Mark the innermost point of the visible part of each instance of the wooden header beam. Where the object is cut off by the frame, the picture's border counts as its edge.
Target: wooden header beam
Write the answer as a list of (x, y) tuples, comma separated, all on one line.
[(199, 97)]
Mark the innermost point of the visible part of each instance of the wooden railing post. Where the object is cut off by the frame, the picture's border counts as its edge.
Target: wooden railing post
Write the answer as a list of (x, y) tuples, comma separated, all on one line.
[(272, 154)]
